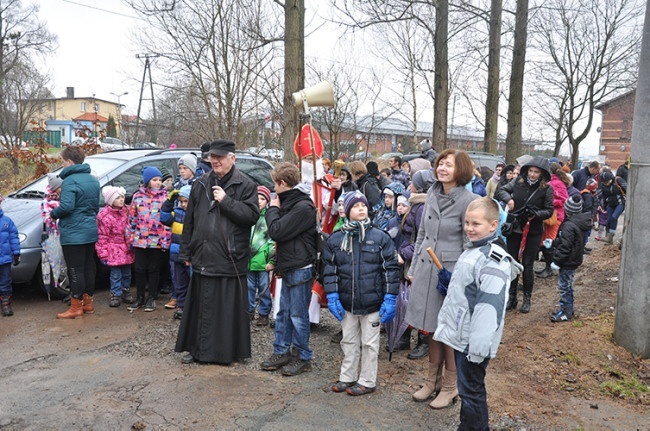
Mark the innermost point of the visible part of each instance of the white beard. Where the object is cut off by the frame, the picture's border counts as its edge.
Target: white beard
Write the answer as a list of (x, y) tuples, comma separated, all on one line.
[(307, 169)]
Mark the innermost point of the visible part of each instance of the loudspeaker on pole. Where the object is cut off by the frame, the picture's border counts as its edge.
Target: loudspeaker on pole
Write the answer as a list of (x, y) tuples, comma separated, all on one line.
[(321, 94)]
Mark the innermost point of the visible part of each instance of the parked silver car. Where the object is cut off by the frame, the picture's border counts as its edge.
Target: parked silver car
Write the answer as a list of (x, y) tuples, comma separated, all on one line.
[(117, 168)]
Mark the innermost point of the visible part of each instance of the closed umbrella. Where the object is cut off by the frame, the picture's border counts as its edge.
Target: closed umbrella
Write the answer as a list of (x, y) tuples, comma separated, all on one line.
[(444, 276), (398, 325)]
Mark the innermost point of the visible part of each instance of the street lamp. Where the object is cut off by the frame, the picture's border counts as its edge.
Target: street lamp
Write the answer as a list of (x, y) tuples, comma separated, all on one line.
[(119, 111)]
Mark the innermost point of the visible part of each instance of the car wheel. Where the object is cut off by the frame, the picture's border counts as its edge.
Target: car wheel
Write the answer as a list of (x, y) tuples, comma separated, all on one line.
[(46, 283)]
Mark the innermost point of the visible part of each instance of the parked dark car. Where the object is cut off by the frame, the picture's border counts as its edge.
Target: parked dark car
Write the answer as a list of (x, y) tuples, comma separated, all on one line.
[(118, 168)]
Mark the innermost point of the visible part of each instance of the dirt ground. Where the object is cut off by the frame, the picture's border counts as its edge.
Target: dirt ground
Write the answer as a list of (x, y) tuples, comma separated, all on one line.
[(117, 370)]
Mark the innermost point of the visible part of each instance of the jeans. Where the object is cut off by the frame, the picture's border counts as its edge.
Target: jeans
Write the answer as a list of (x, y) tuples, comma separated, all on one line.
[(613, 213), (81, 268), (258, 284), (120, 279), (5, 280), (565, 286), (292, 321), (181, 278), (471, 388)]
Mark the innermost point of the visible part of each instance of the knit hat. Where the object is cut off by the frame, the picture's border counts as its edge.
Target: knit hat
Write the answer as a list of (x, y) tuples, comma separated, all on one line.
[(419, 164), (373, 168), (573, 205), (264, 191), (351, 199), (606, 176), (401, 200), (554, 160), (422, 181), (111, 193), (165, 174), (149, 172), (54, 181), (189, 161), (425, 144), (185, 191), (592, 185)]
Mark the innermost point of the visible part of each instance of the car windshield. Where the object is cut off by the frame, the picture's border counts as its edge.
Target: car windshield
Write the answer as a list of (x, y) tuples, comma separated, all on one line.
[(36, 190)]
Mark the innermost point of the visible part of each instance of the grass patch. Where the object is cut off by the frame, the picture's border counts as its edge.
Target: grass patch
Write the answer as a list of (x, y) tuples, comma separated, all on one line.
[(570, 358), (623, 385)]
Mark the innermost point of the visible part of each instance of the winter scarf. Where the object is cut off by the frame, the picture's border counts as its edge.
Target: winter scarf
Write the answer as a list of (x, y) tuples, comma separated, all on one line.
[(353, 229)]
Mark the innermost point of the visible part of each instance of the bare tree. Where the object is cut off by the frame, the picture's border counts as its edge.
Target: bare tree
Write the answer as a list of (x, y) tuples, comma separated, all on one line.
[(294, 66), (22, 39), (492, 97), (593, 49), (210, 42), (515, 100)]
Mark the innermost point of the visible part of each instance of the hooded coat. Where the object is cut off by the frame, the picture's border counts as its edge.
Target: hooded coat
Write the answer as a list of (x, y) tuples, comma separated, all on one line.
[(538, 197), (569, 245), (111, 245), (78, 206)]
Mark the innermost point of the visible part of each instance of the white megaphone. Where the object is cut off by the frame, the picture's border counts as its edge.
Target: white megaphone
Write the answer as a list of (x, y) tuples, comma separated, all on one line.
[(320, 94)]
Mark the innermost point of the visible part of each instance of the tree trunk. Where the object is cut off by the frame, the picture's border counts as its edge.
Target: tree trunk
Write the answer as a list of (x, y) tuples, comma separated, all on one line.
[(294, 70), (494, 60), (441, 84), (513, 139)]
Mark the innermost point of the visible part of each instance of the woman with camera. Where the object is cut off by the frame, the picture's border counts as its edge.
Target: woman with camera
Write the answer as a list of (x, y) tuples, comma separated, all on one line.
[(530, 201)]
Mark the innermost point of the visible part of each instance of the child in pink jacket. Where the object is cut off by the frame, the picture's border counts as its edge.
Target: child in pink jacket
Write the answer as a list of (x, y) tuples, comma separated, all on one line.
[(149, 238), (111, 246)]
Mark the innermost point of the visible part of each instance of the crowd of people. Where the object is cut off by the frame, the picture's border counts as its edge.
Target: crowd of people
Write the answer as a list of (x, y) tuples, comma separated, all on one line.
[(220, 236)]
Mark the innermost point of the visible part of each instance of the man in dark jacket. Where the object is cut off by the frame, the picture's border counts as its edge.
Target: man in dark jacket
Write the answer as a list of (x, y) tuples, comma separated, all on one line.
[(366, 183), (222, 208), (291, 221), (581, 176)]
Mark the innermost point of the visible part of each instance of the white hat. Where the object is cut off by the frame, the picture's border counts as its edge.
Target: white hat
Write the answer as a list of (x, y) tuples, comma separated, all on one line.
[(111, 193)]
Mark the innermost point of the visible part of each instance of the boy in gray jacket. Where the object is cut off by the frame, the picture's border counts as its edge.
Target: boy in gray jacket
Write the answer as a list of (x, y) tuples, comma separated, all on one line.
[(471, 317)]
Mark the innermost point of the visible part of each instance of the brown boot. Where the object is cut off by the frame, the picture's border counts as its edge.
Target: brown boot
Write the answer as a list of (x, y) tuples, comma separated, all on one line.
[(88, 304), (74, 312), (449, 392), (432, 384)]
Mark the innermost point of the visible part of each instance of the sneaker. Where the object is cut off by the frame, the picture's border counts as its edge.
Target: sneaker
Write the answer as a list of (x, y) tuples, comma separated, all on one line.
[(339, 386), (561, 316), (116, 301), (138, 303), (262, 320), (276, 361), (296, 366), (358, 389), (171, 304), (336, 338), (178, 314), (127, 298), (150, 305)]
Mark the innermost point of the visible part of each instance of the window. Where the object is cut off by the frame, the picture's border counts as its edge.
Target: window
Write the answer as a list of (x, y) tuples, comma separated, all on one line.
[(83, 106), (131, 179)]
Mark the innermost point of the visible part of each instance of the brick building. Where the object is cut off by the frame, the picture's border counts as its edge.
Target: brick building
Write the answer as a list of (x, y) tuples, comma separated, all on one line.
[(616, 129)]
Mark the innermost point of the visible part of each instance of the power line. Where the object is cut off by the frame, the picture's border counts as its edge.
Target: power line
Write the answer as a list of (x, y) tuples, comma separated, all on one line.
[(102, 10)]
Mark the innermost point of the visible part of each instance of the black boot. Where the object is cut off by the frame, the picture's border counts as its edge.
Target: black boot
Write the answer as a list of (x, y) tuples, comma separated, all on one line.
[(404, 342), (421, 349), (6, 306), (525, 307), (512, 301)]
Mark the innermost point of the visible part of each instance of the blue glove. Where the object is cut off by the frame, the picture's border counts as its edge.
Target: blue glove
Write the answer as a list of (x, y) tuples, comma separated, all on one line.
[(555, 267), (334, 305), (548, 243), (387, 310)]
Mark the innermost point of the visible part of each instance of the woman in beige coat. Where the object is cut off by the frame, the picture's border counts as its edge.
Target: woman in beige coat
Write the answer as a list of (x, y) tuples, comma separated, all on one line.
[(442, 230)]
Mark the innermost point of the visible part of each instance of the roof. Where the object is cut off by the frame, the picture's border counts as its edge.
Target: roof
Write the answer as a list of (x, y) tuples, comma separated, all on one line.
[(91, 116), (614, 100)]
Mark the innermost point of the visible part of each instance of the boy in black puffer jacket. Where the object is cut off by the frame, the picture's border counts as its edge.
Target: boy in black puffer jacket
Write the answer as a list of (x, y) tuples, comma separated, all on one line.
[(569, 250), (362, 281)]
